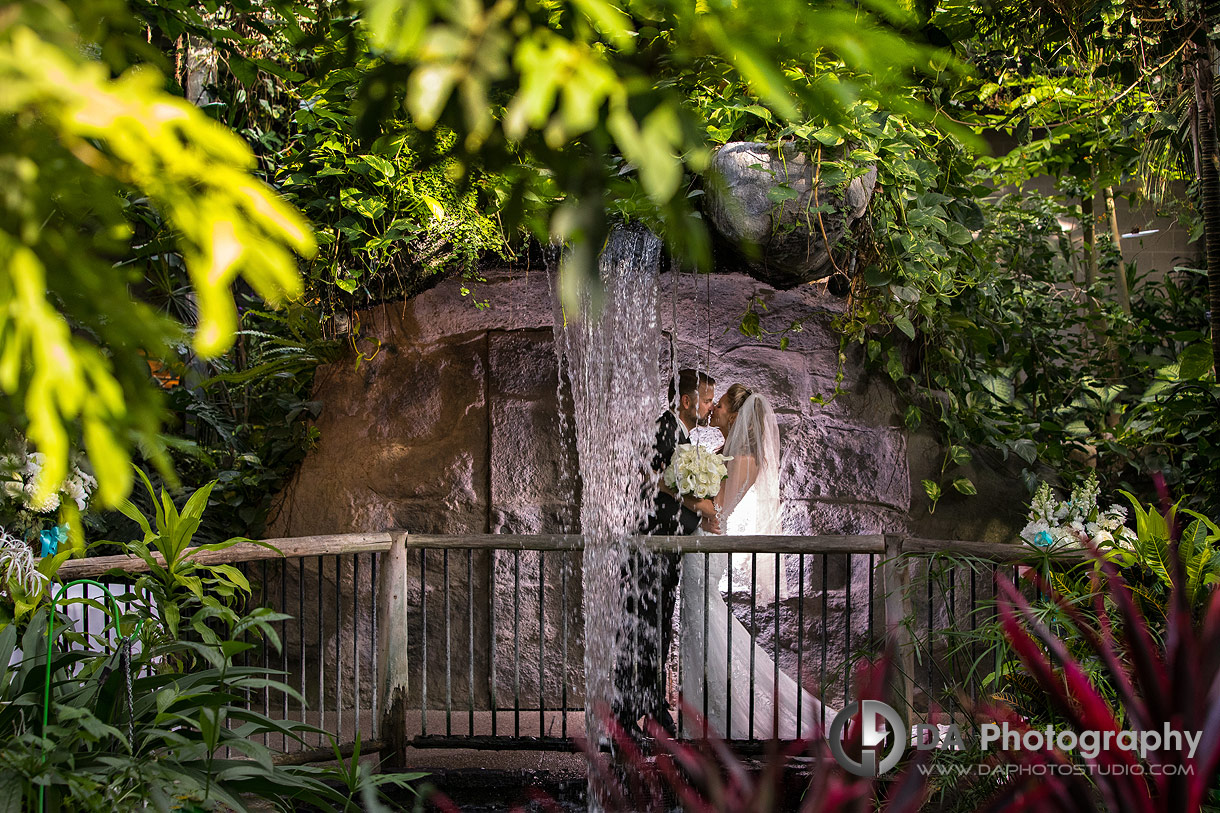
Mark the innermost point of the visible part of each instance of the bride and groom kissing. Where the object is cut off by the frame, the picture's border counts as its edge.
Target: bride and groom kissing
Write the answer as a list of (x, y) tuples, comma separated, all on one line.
[(728, 679)]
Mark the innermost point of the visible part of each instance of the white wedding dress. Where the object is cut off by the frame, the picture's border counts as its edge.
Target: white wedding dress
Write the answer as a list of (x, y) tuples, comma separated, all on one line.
[(711, 639)]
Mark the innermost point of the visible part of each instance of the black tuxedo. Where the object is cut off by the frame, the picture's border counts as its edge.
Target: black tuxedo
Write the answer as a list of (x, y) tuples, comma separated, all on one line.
[(669, 516), (647, 627)]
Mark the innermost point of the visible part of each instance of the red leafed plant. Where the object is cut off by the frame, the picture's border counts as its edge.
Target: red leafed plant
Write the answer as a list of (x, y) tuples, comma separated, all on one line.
[(1169, 679), (706, 776)]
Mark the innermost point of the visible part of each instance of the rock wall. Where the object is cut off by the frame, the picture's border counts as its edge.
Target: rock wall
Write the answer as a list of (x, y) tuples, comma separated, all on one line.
[(453, 427)]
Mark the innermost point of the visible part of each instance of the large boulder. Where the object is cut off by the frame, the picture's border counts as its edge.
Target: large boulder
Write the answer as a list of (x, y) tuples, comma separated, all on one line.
[(764, 202)]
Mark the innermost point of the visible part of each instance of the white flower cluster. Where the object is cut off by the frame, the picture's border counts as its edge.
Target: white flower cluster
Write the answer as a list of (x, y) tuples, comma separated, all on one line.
[(17, 566), (1054, 524), (696, 471), (19, 473)]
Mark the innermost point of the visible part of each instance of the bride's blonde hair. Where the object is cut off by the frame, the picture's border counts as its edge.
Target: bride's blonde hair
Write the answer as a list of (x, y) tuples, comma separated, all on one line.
[(736, 396)]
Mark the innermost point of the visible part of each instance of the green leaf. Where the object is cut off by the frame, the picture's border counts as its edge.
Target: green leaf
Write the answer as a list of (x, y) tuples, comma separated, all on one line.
[(904, 324), (959, 455), (1195, 361), (932, 489), (782, 192), (1026, 449), (957, 234), (876, 277), (964, 485), (830, 135)]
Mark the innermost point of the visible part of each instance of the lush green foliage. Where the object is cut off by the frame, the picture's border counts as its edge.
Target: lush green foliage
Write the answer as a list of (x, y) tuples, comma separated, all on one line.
[(79, 148), (180, 734), (1069, 592), (420, 138), (569, 84), (1029, 362)]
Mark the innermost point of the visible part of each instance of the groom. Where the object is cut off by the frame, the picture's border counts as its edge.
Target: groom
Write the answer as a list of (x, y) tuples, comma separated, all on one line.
[(646, 634)]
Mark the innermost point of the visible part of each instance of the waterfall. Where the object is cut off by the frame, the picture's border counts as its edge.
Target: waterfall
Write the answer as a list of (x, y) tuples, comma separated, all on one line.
[(610, 360)]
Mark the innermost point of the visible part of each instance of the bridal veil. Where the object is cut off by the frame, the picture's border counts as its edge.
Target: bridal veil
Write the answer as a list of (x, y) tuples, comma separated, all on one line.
[(751, 496)]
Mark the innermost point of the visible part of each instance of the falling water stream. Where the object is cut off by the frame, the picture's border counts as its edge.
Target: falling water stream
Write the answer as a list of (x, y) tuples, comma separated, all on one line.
[(610, 359)]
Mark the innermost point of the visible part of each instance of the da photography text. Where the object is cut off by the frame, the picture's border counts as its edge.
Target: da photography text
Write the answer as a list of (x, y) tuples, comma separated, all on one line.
[(881, 748)]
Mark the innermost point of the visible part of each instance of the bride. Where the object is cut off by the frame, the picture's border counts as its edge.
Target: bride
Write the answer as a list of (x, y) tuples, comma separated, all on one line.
[(749, 500)]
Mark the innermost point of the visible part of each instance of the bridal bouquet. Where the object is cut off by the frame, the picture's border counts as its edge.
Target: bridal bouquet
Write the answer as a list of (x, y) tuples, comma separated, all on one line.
[(696, 471), (1055, 524)]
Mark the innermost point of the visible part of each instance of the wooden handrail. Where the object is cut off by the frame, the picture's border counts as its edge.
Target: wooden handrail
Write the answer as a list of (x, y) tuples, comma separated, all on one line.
[(338, 544)]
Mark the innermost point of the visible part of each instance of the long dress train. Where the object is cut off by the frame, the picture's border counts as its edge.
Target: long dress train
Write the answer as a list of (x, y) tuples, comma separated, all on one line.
[(712, 640)]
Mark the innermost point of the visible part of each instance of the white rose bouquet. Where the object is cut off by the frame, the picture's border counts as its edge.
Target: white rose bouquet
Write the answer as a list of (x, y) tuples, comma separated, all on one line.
[(696, 471)]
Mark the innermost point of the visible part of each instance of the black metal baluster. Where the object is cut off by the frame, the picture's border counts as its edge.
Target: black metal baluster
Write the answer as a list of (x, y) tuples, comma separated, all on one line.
[(974, 608), (262, 643), (423, 641), (800, 641), (872, 565), (541, 637), (707, 609), (321, 654), (374, 723), (517, 643), (847, 628), (753, 633), (728, 658), (470, 626), (283, 607), (930, 626), (301, 627), (952, 621), (338, 647), (491, 650), (563, 674), (825, 633), (448, 655), (775, 660)]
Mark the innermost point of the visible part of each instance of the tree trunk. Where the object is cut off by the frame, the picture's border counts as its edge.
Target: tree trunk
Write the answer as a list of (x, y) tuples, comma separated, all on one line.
[(1120, 274), (1088, 222), (1209, 180)]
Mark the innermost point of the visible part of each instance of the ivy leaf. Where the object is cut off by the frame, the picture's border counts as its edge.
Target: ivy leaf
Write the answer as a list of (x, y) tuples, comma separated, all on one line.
[(1026, 449), (1195, 361), (957, 234), (963, 485), (750, 325), (875, 277), (932, 489), (893, 365), (959, 455), (904, 324), (830, 135), (782, 192)]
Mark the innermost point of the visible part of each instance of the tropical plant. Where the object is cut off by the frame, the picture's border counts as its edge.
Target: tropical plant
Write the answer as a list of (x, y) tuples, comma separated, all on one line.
[(176, 581), (80, 145), (244, 420), (1160, 681), (158, 742), (1157, 544)]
